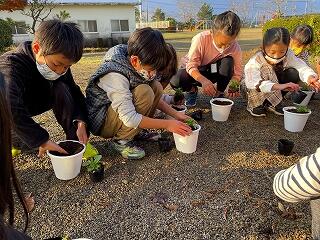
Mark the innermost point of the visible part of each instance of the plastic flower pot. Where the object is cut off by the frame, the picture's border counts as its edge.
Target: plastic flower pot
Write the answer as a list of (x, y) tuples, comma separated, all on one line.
[(67, 167), (180, 108), (187, 144), (294, 122), (221, 108), (307, 98), (97, 176), (285, 146)]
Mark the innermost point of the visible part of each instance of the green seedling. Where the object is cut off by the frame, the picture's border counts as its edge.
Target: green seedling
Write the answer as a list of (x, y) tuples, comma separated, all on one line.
[(234, 86), (191, 123), (305, 87), (302, 109), (93, 163), (178, 95)]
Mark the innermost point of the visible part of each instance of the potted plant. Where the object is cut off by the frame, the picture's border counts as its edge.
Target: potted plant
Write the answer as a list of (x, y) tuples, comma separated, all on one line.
[(306, 89), (295, 118), (67, 166), (221, 108), (95, 168), (178, 98), (234, 86), (188, 144)]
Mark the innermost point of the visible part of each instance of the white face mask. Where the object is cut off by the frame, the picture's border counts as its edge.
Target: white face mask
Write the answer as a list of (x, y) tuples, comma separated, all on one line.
[(220, 50), (274, 60), (144, 73), (47, 73)]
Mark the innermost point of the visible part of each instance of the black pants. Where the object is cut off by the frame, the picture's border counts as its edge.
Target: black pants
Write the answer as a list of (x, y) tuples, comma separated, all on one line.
[(288, 75), (222, 77)]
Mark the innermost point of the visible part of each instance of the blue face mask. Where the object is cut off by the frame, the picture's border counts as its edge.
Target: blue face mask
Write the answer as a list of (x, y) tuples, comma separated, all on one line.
[(47, 73)]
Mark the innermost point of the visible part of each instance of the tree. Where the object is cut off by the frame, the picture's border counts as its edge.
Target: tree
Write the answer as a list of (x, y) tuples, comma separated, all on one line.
[(11, 5), (172, 20), (63, 15), (205, 12), (38, 10), (187, 9), (242, 8), (158, 15), (6, 34)]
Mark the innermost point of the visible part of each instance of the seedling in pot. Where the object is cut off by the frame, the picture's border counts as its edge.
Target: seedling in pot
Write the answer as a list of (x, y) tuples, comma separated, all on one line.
[(178, 108), (300, 109), (305, 87), (178, 97), (192, 123), (234, 86), (95, 168)]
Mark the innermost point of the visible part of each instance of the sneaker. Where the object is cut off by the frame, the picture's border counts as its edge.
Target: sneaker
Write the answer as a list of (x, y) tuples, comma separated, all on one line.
[(278, 110), (128, 150), (191, 98), (257, 111), (145, 135)]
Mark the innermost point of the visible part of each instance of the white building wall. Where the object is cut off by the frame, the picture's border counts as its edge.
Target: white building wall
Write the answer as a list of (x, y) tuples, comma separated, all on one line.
[(103, 14)]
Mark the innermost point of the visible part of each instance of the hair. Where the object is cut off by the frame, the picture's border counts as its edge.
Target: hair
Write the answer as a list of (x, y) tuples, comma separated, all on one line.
[(149, 46), (8, 179), (227, 22), (57, 37), (276, 35), (303, 34), (171, 68)]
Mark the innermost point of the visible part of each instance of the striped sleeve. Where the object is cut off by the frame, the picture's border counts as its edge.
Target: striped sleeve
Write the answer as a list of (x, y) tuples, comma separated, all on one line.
[(299, 182)]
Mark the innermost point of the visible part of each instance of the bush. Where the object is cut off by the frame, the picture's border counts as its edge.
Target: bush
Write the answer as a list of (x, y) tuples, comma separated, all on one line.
[(291, 22), (5, 35)]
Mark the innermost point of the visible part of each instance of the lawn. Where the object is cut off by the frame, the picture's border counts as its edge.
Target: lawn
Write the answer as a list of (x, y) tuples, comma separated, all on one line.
[(222, 191)]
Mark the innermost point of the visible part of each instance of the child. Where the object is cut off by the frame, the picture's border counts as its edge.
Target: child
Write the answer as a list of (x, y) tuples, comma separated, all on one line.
[(301, 38), (301, 182), (273, 69), (38, 78), (214, 57), (8, 179), (124, 93)]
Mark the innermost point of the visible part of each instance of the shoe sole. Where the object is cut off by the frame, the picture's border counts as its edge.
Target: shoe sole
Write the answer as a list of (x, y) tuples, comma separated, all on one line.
[(275, 112), (256, 115), (133, 158)]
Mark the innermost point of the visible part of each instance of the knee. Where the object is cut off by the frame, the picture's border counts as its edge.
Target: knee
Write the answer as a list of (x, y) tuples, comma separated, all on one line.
[(144, 94), (61, 92), (292, 74), (157, 88), (226, 66)]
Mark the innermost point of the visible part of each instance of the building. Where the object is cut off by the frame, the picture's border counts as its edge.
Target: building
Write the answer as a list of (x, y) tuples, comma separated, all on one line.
[(103, 23)]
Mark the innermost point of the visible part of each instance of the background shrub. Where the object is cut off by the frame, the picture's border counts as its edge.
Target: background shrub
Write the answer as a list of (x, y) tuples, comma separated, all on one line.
[(5, 35)]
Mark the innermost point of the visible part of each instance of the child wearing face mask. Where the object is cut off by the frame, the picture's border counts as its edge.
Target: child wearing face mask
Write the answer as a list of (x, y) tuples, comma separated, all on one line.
[(214, 58), (38, 78), (124, 93), (301, 38), (274, 70)]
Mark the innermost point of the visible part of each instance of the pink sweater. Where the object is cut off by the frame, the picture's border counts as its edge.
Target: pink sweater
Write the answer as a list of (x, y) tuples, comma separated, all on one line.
[(202, 52)]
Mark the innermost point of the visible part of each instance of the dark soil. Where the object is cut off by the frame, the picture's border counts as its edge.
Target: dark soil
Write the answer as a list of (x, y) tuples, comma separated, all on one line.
[(71, 148), (178, 108), (218, 102), (178, 97)]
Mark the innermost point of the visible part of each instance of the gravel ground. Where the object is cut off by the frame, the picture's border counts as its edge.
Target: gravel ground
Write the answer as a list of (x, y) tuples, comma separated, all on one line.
[(222, 191)]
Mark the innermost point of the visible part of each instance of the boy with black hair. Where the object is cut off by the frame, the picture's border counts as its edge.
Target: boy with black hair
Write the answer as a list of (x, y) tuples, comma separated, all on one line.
[(124, 93), (38, 78)]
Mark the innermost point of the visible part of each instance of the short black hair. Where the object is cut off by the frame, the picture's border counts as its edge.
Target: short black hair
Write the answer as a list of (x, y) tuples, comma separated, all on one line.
[(303, 34), (57, 37), (228, 22), (276, 35), (149, 46)]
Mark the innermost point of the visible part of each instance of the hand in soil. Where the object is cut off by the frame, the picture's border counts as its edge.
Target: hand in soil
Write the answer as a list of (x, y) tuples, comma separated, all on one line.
[(51, 146), (181, 116), (178, 127), (82, 132)]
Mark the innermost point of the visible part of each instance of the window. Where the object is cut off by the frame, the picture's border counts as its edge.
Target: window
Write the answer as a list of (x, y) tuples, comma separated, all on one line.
[(19, 28), (119, 25), (87, 25)]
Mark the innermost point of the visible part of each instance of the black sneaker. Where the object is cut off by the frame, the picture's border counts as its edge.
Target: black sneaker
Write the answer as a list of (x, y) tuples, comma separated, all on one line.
[(257, 111), (278, 110)]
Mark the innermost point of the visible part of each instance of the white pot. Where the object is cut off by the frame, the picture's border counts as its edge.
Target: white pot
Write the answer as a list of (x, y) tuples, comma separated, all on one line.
[(67, 167), (306, 100), (187, 144), (221, 113), (294, 122), (183, 111)]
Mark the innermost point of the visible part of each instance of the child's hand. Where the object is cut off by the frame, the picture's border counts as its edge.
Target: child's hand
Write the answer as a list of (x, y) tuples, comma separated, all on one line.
[(181, 116), (287, 86), (178, 127), (314, 82), (208, 88)]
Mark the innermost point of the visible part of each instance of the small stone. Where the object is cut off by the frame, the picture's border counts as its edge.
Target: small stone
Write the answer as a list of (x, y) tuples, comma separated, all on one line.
[(125, 181)]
